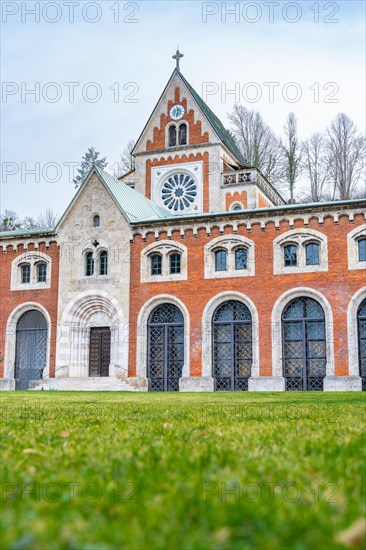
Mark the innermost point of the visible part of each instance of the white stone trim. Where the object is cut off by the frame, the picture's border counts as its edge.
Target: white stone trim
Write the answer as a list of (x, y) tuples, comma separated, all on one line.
[(142, 343), (300, 237), (208, 312), (281, 303), (91, 308), (229, 243), (10, 337), (165, 248), (31, 257), (352, 331), (159, 175), (352, 246)]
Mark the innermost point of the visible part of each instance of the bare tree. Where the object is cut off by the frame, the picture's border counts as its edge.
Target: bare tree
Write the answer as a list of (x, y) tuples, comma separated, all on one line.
[(256, 141), (9, 221), (291, 154), (346, 156), (127, 160), (315, 166), (47, 219), (29, 223)]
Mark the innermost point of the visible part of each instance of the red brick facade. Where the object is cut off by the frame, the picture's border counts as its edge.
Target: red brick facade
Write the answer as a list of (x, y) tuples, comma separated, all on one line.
[(337, 285), (11, 299)]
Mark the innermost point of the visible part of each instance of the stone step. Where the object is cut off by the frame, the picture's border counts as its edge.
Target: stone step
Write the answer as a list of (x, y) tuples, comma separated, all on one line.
[(89, 384)]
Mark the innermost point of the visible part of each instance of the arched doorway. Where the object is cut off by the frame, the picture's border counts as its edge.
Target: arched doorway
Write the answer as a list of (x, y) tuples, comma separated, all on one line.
[(165, 348), (232, 346), (361, 322), (31, 348), (304, 345)]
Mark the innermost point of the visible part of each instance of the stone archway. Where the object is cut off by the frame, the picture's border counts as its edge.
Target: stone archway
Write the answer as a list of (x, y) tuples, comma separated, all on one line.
[(87, 311)]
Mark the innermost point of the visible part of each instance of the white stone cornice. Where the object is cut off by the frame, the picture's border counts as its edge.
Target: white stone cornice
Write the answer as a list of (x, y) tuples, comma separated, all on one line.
[(191, 225)]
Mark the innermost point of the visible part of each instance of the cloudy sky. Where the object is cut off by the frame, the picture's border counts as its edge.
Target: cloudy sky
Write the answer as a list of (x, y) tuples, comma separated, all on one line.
[(98, 68)]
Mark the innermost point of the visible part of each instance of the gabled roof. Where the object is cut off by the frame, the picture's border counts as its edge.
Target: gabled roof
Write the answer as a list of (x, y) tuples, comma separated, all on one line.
[(224, 135), (134, 204)]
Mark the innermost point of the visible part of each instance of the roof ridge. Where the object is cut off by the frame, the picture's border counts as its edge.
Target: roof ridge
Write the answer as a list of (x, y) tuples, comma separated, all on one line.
[(223, 133)]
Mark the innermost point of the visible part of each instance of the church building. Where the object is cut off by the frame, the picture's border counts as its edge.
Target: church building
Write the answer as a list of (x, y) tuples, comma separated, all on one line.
[(190, 273)]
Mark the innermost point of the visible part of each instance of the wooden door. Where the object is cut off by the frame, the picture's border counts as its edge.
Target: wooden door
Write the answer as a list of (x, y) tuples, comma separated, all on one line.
[(100, 351)]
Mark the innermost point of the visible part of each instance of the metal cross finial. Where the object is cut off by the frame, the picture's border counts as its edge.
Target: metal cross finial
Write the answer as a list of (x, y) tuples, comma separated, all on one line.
[(177, 58)]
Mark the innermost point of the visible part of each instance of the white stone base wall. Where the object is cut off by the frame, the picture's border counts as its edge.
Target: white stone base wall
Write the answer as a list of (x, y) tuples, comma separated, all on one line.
[(7, 384), (266, 383), (196, 384), (342, 383)]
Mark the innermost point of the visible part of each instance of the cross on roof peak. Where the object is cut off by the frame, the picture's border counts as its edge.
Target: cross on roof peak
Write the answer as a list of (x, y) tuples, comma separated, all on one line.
[(177, 58)]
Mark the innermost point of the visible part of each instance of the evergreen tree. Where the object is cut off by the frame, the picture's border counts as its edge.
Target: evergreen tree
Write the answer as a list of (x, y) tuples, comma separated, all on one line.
[(90, 159)]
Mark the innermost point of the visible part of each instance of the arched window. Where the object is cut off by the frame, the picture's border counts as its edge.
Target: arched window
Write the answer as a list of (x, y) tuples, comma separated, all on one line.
[(25, 272), (175, 263), (166, 348), (103, 263), (89, 264), (362, 250), (304, 345), (290, 255), (237, 208), (172, 132), (361, 318), (232, 346), (241, 258), (312, 254), (96, 221), (156, 264), (221, 260), (182, 134), (42, 272)]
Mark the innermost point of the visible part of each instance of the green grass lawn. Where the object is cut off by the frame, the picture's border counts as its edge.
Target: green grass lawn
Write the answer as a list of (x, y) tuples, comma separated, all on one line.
[(171, 471)]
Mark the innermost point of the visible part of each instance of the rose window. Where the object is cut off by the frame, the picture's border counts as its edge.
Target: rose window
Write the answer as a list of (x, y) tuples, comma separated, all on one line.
[(179, 192)]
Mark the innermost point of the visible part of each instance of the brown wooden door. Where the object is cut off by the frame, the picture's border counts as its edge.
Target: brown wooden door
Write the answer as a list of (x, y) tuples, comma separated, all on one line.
[(100, 351)]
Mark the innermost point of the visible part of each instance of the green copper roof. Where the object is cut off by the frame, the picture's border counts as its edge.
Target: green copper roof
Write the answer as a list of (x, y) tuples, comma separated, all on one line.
[(224, 135), (134, 204), (26, 232)]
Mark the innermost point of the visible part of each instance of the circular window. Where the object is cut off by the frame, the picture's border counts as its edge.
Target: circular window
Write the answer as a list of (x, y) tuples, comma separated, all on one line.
[(179, 192)]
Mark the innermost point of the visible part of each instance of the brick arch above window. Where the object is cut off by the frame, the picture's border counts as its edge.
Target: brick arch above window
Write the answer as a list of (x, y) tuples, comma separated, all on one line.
[(230, 243), (33, 259), (165, 248), (299, 238)]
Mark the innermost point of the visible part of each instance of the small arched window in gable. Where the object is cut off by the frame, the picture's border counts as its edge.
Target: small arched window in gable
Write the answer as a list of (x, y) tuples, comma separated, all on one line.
[(103, 263), (182, 134), (89, 264), (172, 133), (96, 221)]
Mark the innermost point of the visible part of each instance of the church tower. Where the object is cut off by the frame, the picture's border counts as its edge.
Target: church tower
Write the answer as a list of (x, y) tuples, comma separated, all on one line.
[(188, 163)]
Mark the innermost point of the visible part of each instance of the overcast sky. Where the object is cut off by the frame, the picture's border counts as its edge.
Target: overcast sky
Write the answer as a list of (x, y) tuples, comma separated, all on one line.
[(126, 48)]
